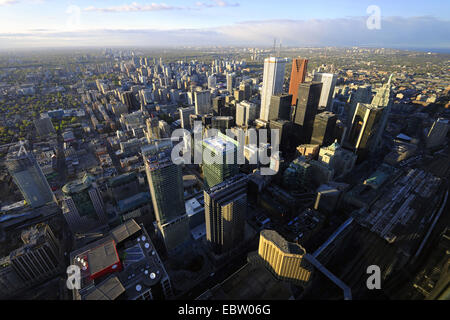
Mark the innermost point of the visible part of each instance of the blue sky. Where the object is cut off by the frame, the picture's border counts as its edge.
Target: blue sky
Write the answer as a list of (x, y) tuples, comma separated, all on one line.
[(229, 22)]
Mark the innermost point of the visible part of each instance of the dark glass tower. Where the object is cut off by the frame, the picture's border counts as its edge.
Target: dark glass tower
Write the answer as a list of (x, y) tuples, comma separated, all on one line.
[(324, 129), (165, 180), (306, 109), (225, 213), (280, 107)]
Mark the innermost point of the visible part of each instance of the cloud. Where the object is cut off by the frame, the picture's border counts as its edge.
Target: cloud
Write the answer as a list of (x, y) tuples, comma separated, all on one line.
[(137, 7), (134, 7), (8, 2), (396, 32), (216, 3)]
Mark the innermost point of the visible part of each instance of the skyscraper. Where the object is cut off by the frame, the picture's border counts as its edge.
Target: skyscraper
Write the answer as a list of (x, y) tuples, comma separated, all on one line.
[(273, 79), (298, 74), (225, 213), (383, 99), (285, 131), (202, 102), (280, 107), (82, 205), (245, 112), (219, 160), (184, 117), (230, 82), (28, 177), (366, 121), (245, 86), (39, 258), (328, 84), (212, 80), (324, 128), (363, 94), (165, 181), (218, 105), (306, 109)]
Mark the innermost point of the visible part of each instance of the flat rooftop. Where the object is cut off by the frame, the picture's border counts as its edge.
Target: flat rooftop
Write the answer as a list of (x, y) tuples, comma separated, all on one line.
[(280, 242), (218, 144)]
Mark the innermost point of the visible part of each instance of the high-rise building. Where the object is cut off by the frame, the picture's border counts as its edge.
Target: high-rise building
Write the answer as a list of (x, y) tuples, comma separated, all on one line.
[(219, 160), (306, 109), (273, 80), (218, 105), (222, 123), (298, 74), (285, 259), (129, 99), (153, 130), (247, 89), (230, 82), (44, 127), (280, 107), (225, 213), (28, 177), (184, 117), (363, 94), (239, 95), (383, 99), (245, 113), (366, 121), (324, 128), (82, 205), (285, 131), (437, 133), (40, 256), (165, 181), (328, 81), (212, 80), (202, 102)]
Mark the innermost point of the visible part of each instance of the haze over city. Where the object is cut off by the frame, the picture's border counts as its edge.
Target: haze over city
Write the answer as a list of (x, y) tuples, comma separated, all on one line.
[(48, 23)]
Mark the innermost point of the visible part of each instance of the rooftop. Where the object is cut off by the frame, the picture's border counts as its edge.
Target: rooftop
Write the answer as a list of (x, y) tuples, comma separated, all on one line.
[(78, 185), (123, 178), (218, 144), (280, 242), (133, 201), (138, 266)]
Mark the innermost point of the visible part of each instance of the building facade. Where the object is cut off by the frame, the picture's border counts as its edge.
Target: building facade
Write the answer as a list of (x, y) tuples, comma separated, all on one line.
[(273, 80)]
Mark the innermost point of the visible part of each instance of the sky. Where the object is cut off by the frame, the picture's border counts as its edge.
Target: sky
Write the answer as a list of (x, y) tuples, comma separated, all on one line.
[(299, 23)]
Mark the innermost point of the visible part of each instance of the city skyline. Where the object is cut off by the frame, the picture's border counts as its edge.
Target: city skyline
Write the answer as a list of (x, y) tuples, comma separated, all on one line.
[(46, 23)]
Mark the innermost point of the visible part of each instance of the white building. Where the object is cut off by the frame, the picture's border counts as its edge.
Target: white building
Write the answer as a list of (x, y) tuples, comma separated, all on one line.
[(202, 102), (245, 112), (328, 84), (273, 79)]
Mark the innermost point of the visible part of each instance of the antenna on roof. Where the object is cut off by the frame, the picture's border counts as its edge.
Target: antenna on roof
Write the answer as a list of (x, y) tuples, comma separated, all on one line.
[(279, 50)]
